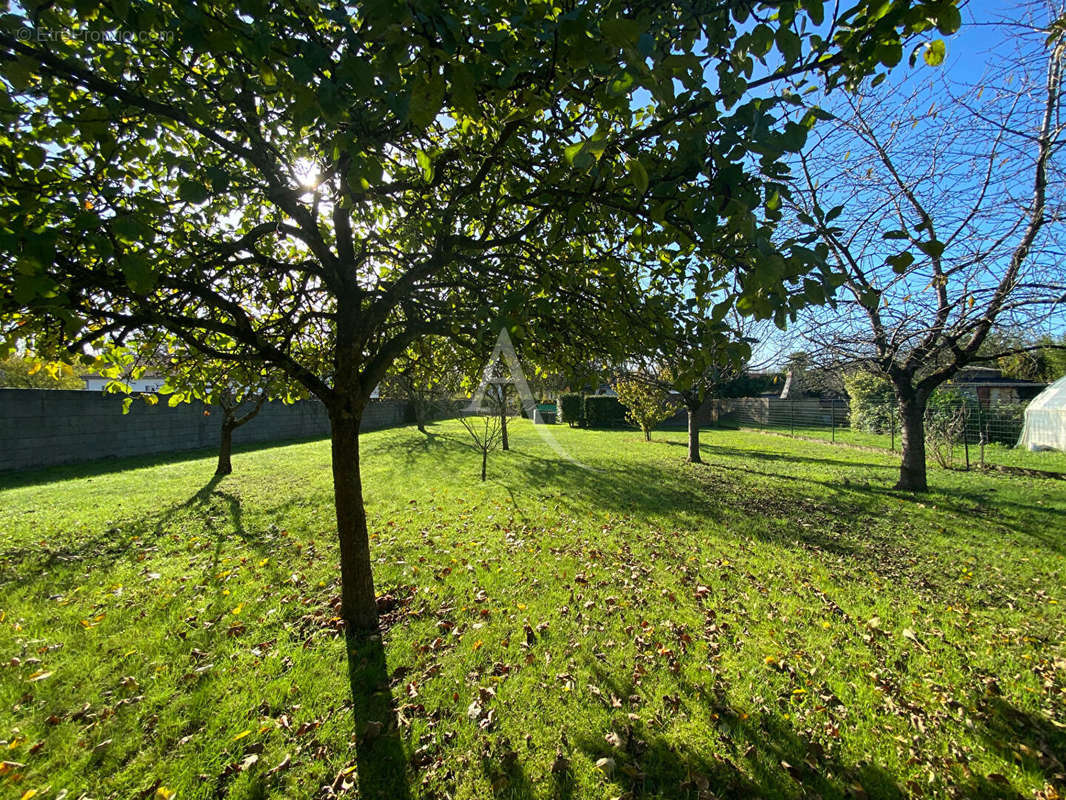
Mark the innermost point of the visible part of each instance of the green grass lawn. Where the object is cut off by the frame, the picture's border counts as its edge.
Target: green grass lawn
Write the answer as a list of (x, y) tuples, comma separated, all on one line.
[(775, 623), (995, 454)]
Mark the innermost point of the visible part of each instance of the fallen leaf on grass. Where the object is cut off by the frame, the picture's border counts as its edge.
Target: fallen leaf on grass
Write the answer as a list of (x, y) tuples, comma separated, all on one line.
[(281, 765)]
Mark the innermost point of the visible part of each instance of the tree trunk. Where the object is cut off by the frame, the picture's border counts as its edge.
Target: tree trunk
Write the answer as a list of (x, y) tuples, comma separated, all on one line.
[(420, 415), (647, 434), (503, 421), (358, 604), (484, 462), (225, 447), (693, 438), (912, 475)]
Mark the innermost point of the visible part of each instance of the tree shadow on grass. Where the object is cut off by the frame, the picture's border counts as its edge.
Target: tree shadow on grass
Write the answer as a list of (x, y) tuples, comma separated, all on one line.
[(754, 756), (1027, 739), (17, 479), (107, 546), (381, 762), (668, 494), (961, 502), (761, 455)]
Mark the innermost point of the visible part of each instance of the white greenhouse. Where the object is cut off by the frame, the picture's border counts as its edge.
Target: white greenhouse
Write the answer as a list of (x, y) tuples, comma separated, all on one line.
[(1045, 419)]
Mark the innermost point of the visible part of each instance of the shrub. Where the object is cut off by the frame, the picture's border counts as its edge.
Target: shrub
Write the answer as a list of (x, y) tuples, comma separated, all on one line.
[(1001, 423), (646, 405), (947, 421), (604, 411), (571, 409), (873, 402)]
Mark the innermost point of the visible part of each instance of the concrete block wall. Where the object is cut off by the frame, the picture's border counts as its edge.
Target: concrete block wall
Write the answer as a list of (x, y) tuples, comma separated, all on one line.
[(775, 412), (43, 427)]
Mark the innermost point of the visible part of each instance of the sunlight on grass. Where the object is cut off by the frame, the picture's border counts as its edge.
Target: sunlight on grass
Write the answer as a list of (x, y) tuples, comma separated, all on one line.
[(772, 623)]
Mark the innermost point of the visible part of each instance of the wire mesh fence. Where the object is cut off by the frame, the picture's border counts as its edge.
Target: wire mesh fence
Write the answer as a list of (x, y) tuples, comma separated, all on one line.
[(959, 434)]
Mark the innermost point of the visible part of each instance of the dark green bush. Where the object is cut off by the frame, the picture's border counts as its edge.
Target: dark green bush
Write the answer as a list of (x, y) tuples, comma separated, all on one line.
[(571, 409), (604, 411)]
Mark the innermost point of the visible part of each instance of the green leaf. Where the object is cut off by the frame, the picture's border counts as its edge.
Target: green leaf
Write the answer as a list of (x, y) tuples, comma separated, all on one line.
[(463, 96), (426, 101), (176, 399), (932, 248), (638, 175), (896, 235), (816, 10), (934, 53), (949, 20), (573, 151), (138, 273), (621, 32), (789, 44), (773, 202), (426, 165), (900, 262), (219, 178), (192, 192), (889, 53)]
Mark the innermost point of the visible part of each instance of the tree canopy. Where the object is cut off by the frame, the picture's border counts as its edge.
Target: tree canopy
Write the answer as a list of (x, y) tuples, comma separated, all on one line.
[(317, 186)]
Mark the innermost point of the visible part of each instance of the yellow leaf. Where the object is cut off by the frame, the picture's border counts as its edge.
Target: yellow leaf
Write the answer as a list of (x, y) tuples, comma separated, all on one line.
[(39, 675), (238, 609), (163, 793), (477, 644), (242, 734), (28, 794)]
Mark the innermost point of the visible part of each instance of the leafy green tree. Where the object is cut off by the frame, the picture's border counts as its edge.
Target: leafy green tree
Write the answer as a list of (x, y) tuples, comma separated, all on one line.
[(429, 375), (237, 389), (25, 372), (647, 403), (319, 186), (696, 348), (1028, 359)]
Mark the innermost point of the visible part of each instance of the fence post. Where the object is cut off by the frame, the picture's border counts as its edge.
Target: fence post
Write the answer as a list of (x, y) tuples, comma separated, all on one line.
[(833, 417), (791, 417), (966, 433)]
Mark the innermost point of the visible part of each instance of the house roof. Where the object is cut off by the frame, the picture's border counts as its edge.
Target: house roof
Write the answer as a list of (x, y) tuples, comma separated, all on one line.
[(990, 376)]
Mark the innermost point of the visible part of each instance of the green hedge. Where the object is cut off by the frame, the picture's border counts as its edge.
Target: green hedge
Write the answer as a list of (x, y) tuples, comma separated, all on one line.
[(604, 411), (571, 409), (873, 405)]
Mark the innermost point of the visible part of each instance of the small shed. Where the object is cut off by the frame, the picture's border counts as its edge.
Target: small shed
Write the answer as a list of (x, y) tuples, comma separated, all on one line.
[(1045, 419)]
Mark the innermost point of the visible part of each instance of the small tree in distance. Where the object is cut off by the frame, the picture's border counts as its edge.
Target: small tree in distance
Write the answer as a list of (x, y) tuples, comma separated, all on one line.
[(647, 403), (25, 372), (238, 389), (428, 376), (486, 432)]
